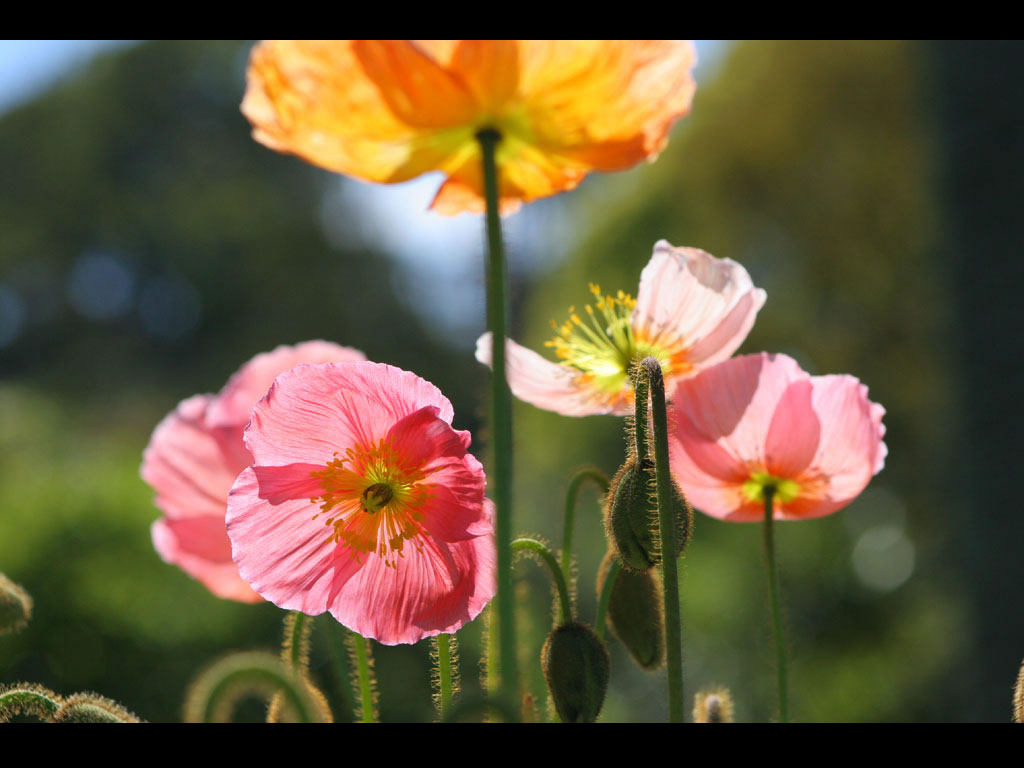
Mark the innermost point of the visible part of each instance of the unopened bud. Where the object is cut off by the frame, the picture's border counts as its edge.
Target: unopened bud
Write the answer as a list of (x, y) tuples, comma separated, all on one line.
[(713, 706), (577, 668), (634, 613), (631, 516)]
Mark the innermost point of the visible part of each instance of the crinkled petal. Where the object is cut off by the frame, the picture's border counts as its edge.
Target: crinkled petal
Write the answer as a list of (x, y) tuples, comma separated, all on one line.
[(421, 438), (794, 433), (583, 96), (456, 508), (435, 587), (732, 404), (698, 307), (369, 109), (548, 385), (200, 547), (851, 450), (312, 411), (285, 554), (185, 465)]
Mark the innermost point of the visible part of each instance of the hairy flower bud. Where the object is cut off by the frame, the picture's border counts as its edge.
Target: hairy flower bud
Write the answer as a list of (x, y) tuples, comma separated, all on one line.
[(577, 668), (712, 706), (634, 613), (631, 516)]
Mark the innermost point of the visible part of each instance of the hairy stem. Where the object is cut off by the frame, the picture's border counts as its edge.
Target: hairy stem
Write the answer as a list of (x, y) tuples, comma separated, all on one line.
[(532, 545), (667, 530)]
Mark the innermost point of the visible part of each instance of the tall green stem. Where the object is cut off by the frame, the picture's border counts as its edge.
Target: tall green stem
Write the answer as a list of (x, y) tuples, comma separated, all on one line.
[(578, 479), (773, 590), (364, 676), (444, 674), (667, 530), (501, 418)]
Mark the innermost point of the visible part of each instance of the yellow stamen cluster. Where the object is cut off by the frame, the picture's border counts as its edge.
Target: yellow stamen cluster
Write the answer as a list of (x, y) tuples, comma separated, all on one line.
[(605, 346), (375, 499)]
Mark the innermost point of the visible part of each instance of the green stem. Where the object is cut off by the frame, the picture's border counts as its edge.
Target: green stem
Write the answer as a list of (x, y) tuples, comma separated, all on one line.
[(444, 674), (570, 512), (641, 390), (501, 418), (532, 545), (773, 590), (667, 529), (365, 682), (336, 648), (295, 641), (606, 596)]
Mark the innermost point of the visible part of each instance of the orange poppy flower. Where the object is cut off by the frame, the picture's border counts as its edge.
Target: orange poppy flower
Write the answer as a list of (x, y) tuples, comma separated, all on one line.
[(390, 110)]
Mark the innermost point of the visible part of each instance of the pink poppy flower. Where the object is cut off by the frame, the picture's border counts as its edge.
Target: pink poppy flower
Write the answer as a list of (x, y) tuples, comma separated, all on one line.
[(692, 311), (363, 501), (196, 453), (759, 420)]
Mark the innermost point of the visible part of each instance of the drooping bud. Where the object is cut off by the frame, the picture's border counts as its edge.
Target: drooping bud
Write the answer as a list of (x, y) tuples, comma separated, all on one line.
[(712, 706), (631, 516), (15, 606), (634, 613), (577, 668)]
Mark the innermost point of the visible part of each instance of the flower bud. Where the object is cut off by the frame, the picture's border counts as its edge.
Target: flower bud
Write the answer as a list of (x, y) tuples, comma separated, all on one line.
[(577, 668), (631, 516), (634, 613), (713, 706)]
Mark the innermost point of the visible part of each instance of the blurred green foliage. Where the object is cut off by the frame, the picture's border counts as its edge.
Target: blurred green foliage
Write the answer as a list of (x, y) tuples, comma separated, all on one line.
[(810, 163)]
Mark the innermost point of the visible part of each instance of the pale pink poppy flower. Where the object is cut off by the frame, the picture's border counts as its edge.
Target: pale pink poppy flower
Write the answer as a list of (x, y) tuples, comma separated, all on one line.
[(363, 501), (692, 311), (760, 420), (196, 453)]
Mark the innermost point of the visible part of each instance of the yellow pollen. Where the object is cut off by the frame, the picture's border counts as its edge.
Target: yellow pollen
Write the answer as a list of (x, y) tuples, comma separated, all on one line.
[(785, 489), (604, 348), (375, 499)]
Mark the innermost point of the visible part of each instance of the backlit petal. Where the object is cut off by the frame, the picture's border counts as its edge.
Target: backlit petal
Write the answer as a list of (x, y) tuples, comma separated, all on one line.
[(312, 411), (692, 302), (185, 465), (548, 385), (200, 547)]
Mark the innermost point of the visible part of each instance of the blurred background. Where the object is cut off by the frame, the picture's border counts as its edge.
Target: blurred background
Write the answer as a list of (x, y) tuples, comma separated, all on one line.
[(149, 247)]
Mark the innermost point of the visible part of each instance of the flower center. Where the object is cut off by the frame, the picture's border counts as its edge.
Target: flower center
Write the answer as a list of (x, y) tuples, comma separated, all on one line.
[(375, 500), (785, 489), (605, 346)]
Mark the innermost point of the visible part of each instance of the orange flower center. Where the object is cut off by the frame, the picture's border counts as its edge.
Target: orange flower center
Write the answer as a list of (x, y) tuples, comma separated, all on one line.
[(374, 499)]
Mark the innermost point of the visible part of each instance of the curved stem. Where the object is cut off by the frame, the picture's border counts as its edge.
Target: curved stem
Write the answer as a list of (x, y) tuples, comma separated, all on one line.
[(606, 596), (570, 512), (565, 609), (773, 590), (666, 526), (501, 418)]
